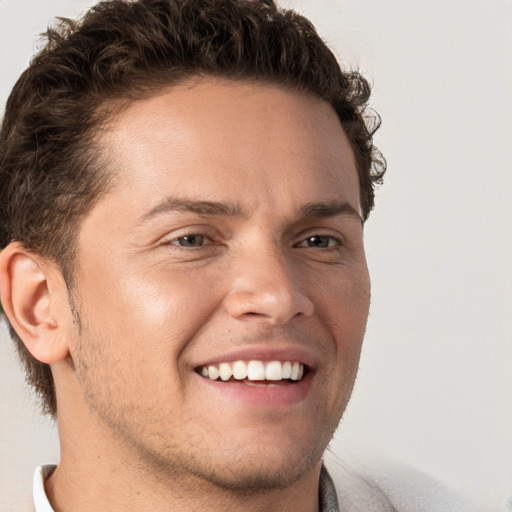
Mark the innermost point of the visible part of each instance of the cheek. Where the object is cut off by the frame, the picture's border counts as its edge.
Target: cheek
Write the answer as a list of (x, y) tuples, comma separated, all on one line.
[(342, 304), (342, 298), (160, 309), (134, 332)]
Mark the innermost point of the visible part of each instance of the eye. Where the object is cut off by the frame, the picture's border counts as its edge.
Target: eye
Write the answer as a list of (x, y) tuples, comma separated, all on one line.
[(192, 240), (320, 242)]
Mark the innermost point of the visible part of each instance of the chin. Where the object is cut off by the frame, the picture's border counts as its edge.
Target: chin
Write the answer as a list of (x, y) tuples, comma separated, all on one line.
[(250, 464), (257, 473)]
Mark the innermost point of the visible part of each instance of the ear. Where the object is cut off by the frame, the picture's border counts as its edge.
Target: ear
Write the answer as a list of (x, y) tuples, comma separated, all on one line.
[(34, 298)]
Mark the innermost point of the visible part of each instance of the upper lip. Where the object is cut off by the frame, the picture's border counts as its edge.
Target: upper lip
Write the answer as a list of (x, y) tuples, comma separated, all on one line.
[(262, 353)]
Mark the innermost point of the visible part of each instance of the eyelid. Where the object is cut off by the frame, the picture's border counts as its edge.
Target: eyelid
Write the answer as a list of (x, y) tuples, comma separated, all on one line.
[(321, 232), (190, 235), (199, 230), (337, 242)]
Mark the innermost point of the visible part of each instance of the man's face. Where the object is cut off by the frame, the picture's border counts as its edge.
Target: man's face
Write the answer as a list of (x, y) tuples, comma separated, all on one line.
[(232, 235)]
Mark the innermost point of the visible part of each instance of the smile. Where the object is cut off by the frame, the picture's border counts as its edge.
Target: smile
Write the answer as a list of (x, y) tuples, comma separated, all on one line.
[(254, 370)]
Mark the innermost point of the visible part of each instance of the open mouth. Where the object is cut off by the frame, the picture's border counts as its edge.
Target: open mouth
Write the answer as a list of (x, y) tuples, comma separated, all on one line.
[(255, 372)]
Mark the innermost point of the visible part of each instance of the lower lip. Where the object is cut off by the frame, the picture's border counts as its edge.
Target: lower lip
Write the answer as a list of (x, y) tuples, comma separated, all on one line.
[(266, 395)]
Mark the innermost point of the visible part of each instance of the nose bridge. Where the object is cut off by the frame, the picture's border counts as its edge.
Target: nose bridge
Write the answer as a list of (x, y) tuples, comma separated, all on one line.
[(265, 285)]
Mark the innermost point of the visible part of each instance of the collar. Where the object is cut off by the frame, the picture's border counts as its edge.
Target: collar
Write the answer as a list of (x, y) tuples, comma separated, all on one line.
[(327, 497), (40, 500)]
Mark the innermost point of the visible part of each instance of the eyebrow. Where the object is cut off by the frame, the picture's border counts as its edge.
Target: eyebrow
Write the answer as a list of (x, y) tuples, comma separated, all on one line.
[(176, 204), (321, 209), (329, 209)]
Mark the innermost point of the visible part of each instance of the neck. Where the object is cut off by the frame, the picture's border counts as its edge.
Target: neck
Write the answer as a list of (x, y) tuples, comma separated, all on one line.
[(81, 490)]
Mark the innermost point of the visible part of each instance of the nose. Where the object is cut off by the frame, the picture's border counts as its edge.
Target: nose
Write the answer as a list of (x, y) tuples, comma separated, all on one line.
[(263, 287)]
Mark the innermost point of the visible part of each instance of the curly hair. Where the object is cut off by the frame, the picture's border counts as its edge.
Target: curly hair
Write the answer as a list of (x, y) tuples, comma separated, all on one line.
[(51, 176)]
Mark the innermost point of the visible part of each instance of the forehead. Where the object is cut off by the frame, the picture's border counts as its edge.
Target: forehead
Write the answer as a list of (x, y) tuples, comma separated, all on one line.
[(219, 139)]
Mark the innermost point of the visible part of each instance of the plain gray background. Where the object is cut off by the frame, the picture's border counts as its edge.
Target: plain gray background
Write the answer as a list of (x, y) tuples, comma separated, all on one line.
[(435, 384)]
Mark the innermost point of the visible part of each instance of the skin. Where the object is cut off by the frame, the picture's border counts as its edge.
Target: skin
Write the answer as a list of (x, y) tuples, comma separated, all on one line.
[(140, 429)]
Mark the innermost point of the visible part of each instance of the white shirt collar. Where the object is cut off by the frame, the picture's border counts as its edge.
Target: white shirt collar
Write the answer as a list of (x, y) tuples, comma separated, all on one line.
[(40, 500)]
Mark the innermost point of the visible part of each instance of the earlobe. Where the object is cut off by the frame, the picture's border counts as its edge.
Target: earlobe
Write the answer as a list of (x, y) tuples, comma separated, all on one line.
[(31, 289)]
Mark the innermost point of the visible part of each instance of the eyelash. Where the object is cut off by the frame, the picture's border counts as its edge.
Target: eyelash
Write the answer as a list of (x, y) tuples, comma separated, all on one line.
[(192, 236), (329, 238), (332, 241)]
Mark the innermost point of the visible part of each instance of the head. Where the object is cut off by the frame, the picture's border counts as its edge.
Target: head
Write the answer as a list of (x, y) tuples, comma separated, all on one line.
[(61, 141)]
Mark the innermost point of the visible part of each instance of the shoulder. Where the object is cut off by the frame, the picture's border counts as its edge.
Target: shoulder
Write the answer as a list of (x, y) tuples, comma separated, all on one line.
[(390, 487)]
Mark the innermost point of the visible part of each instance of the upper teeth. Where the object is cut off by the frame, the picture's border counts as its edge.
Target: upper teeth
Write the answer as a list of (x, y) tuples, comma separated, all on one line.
[(254, 370)]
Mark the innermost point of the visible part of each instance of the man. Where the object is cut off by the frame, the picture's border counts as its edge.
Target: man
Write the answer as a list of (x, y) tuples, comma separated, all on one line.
[(184, 187)]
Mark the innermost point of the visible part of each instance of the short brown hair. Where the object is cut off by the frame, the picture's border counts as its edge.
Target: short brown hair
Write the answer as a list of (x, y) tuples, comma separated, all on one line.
[(121, 50)]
